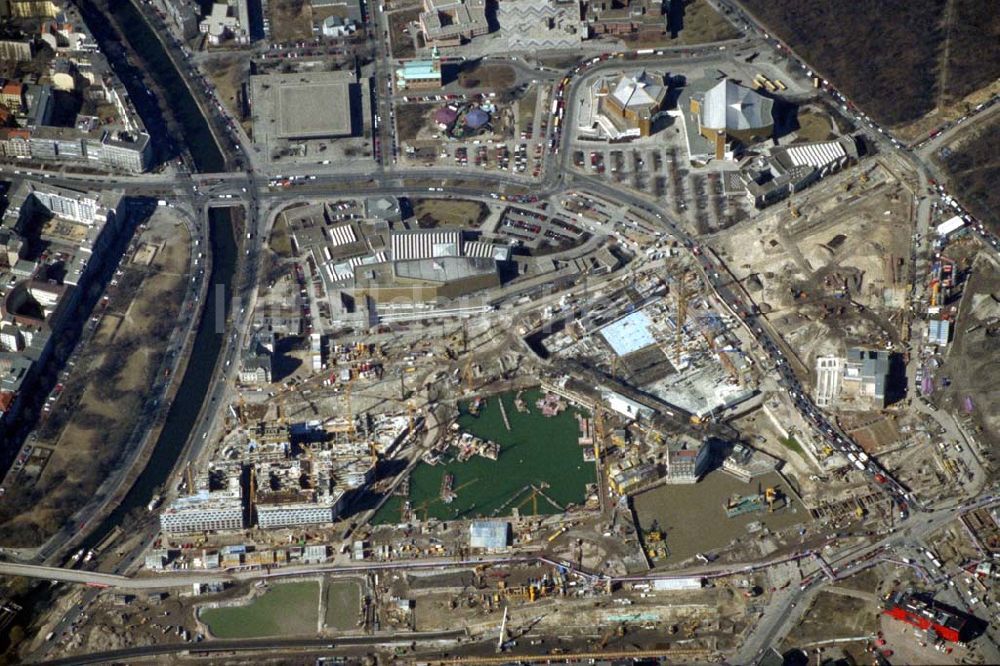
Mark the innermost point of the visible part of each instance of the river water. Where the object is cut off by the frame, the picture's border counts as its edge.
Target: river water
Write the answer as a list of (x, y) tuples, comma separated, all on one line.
[(154, 62)]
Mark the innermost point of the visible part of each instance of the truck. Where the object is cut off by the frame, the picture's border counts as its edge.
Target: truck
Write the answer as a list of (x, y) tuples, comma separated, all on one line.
[(161, 202)]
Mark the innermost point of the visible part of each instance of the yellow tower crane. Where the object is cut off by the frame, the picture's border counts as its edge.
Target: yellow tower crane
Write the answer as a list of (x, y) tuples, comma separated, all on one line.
[(600, 430), (468, 376), (682, 301), (348, 413)]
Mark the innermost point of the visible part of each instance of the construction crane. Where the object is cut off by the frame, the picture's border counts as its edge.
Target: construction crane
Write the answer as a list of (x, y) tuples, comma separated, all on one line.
[(599, 431), (682, 302), (533, 498), (468, 376), (503, 630), (411, 411)]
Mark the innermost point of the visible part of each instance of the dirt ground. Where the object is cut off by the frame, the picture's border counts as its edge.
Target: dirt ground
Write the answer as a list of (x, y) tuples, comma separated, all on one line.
[(281, 241), (526, 107), (401, 43), (814, 126), (96, 413), (228, 73), (494, 77), (410, 122), (836, 274), (834, 615), (449, 213), (973, 361), (291, 20)]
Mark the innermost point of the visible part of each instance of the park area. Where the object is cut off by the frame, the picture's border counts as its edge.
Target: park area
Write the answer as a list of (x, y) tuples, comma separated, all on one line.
[(286, 609), (432, 213), (343, 604), (107, 383)]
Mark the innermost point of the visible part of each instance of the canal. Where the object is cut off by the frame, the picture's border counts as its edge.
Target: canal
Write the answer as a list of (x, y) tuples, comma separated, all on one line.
[(153, 61), (197, 378), (540, 451)]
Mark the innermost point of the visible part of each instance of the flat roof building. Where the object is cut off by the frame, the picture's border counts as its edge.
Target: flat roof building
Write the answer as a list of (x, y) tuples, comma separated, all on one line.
[(938, 331), (867, 372), (489, 535), (534, 25), (206, 510), (312, 105), (450, 22)]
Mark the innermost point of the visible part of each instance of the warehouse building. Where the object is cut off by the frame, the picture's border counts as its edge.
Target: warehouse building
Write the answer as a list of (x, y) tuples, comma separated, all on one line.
[(489, 535)]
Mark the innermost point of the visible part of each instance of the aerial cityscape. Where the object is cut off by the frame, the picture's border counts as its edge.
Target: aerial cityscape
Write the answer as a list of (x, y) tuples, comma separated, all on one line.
[(499, 332)]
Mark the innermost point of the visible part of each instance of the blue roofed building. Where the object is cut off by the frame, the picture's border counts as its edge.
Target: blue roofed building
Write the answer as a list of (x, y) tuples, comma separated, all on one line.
[(489, 535), (938, 331), (630, 333), (419, 74)]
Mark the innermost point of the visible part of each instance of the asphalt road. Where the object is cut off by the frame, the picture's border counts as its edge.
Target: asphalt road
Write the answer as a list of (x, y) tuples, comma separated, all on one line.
[(221, 648)]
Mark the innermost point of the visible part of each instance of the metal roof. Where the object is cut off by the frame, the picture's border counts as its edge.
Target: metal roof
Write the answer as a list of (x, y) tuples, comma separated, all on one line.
[(426, 244), (639, 89), (816, 154), (629, 334), (730, 106), (489, 534), (419, 69)]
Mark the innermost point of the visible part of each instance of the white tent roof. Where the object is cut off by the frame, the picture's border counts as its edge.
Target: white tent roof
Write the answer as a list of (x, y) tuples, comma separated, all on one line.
[(732, 107), (639, 89)]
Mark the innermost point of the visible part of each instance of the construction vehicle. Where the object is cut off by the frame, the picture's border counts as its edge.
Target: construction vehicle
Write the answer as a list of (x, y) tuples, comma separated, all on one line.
[(771, 495), (555, 535)]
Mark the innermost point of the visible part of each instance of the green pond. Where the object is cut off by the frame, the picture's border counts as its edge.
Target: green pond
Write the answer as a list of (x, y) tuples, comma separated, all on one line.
[(537, 450)]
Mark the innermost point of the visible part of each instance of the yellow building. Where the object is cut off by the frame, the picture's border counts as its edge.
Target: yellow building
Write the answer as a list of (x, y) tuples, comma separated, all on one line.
[(635, 101), (729, 112)]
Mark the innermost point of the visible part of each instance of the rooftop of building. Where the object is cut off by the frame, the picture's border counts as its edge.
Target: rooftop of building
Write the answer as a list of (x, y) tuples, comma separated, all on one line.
[(639, 90), (731, 107), (306, 105)]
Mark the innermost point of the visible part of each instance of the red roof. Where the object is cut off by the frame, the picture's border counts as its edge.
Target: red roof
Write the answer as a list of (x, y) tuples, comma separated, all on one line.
[(12, 88), (6, 400)]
